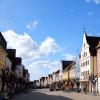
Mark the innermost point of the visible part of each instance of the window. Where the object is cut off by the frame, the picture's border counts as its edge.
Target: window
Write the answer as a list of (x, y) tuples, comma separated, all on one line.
[(83, 55), (81, 73), (88, 72), (88, 62), (81, 64), (78, 69), (84, 45), (86, 53), (84, 73)]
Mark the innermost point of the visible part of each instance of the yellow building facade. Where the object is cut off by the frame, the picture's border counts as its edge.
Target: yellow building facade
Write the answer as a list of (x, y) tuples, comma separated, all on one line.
[(3, 55), (65, 75)]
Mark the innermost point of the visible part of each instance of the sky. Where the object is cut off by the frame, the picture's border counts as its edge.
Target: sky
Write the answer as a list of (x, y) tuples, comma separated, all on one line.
[(44, 32)]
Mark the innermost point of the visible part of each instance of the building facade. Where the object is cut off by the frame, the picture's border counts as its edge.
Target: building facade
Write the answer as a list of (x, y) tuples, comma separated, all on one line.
[(46, 82), (3, 54), (8, 64), (67, 74), (50, 79), (98, 67), (88, 67)]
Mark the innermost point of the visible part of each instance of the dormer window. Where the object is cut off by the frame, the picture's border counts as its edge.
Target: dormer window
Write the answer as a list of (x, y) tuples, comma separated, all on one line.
[(84, 45)]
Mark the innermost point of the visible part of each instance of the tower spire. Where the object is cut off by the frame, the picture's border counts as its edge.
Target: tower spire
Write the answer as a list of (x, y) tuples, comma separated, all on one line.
[(84, 30)]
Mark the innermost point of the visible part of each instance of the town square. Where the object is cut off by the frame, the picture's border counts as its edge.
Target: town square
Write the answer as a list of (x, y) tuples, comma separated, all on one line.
[(49, 49)]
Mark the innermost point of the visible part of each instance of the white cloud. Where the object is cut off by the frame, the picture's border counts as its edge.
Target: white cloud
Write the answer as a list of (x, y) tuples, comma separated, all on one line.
[(69, 57), (32, 25), (41, 68), (48, 46), (26, 47), (95, 1), (33, 53)]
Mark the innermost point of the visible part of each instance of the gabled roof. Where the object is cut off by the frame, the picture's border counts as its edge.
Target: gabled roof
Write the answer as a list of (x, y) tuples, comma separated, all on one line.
[(49, 75), (65, 64), (43, 78), (3, 42), (92, 41), (57, 71)]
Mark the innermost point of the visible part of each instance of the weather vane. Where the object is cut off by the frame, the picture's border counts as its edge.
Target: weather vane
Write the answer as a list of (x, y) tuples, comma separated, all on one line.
[(84, 29)]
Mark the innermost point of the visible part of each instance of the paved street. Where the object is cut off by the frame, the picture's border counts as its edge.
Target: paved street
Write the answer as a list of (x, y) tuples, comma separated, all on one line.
[(45, 94)]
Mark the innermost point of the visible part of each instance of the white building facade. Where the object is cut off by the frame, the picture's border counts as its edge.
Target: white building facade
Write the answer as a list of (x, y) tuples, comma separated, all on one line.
[(88, 62), (85, 65)]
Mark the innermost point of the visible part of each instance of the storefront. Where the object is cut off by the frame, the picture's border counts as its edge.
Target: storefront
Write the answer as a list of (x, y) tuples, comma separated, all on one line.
[(85, 85)]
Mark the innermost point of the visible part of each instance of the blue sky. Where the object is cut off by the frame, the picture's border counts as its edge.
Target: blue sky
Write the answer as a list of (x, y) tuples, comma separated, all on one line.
[(60, 21)]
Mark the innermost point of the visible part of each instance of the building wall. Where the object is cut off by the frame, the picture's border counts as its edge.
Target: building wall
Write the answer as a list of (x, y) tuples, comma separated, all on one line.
[(45, 82), (42, 83), (8, 63), (19, 70), (54, 77), (95, 65), (37, 83), (50, 79), (2, 58), (71, 73), (60, 76), (98, 61), (98, 68), (98, 84), (57, 77), (77, 69), (86, 66), (85, 61), (65, 75)]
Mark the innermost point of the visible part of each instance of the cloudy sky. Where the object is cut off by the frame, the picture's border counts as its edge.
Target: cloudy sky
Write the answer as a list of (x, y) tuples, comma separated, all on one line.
[(44, 32)]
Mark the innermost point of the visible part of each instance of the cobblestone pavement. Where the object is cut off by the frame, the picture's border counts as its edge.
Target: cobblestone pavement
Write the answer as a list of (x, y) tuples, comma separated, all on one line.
[(45, 94)]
